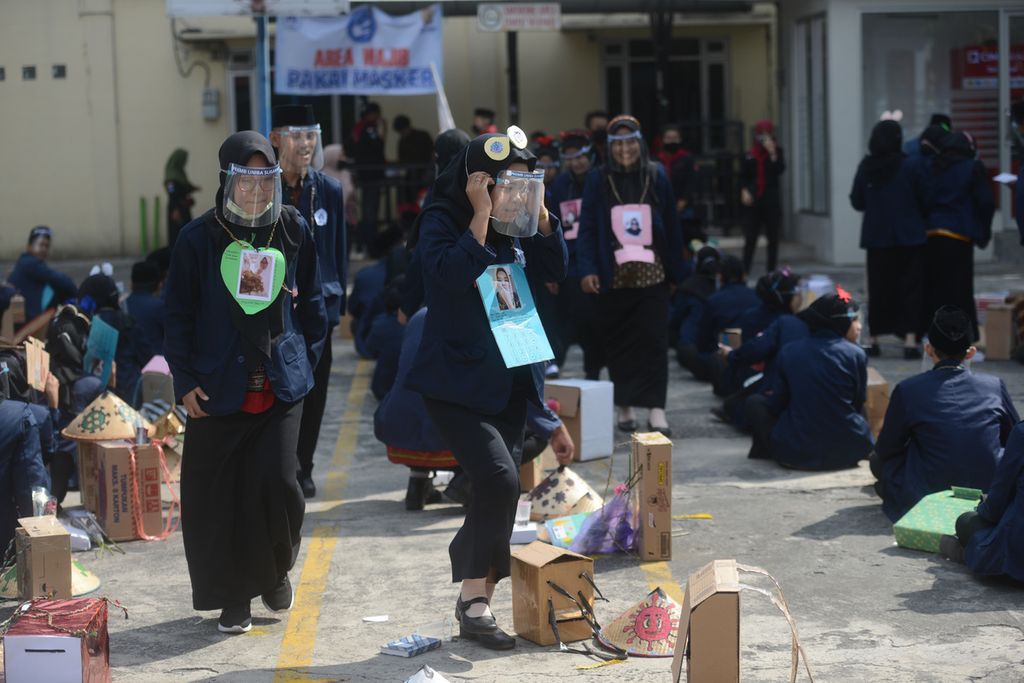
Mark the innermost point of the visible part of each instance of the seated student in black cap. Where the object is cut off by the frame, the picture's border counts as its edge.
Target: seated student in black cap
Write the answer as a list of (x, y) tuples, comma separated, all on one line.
[(722, 311), (946, 427), (318, 198), (811, 418), (146, 309), (41, 285), (384, 341)]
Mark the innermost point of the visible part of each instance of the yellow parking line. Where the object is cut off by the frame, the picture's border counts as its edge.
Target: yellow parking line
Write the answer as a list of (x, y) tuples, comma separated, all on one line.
[(660, 574), (300, 632)]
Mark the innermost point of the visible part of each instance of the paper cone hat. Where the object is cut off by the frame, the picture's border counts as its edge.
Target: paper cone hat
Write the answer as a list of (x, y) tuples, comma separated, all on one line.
[(83, 582), (647, 629), (563, 493), (108, 418)]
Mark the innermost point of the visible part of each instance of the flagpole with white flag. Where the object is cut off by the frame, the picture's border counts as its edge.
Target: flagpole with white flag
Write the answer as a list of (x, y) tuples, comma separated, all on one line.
[(445, 121)]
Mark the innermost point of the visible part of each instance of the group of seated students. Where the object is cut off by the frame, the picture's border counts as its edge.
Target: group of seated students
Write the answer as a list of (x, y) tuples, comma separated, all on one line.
[(798, 384), (33, 453)]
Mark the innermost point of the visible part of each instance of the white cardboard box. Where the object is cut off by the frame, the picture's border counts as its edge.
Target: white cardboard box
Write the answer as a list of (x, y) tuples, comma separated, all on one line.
[(587, 408), (54, 659)]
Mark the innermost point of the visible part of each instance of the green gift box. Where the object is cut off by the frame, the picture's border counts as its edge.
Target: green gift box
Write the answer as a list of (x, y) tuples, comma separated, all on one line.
[(934, 515)]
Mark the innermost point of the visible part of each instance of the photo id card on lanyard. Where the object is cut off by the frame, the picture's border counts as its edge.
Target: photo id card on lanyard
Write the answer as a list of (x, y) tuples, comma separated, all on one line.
[(513, 316), (570, 210), (632, 226), (254, 277)]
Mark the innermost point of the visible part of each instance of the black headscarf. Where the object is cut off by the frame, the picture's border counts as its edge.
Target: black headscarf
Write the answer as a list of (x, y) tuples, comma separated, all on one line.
[(98, 291), (954, 147), (777, 289), (257, 330), (931, 140), (950, 332), (885, 152), (447, 145), (834, 312)]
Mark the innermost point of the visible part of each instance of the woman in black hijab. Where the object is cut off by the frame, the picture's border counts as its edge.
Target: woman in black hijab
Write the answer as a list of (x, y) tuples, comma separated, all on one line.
[(892, 191), (477, 403), (245, 326)]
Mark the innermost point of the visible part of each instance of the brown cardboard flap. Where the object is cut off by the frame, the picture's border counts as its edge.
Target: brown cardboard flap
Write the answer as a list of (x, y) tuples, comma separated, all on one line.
[(568, 398), (539, 554), (46, 525), (652, 439), (720, 576), (875, 377)]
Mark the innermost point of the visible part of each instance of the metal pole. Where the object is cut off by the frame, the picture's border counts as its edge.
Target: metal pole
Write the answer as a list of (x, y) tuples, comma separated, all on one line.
[(511, 47), (262, 76)]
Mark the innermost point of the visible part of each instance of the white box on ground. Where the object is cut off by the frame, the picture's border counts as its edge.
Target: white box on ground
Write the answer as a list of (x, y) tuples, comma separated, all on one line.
[(587, 408), (523, 531), (55, 659)]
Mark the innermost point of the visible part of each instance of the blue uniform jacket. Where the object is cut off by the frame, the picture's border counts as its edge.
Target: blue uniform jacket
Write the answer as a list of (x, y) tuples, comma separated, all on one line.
[(202, 346), (21, 464), (946, 427), (962, 201), (912, 147), (765, 347), (723, 309), (1000, 550), (563, 188), (413, 294), (818, 395), (147, 310), (363, 304), (756, 320), (894, 211), (595, 245), (458, 359), (330, 238), (384, 343), (31, 275)]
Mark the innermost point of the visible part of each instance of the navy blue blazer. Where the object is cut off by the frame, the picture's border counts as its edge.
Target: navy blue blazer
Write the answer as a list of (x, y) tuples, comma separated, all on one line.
[(563, 188), (999, 550), (21, 461), (596, 245), (201, 344), (962, 201), (894, 211), (30, 277), (147, 310), (756, 320), (818, 394), (765, 347), (330, 238), (384, 343), (365, 303), (458, 359), (946, 427), (412, 292), (723, 309)]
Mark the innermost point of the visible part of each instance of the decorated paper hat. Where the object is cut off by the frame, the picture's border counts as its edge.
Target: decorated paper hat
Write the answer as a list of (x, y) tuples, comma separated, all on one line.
[(647, 629), (562, 493), (108, 418), (83, 581)]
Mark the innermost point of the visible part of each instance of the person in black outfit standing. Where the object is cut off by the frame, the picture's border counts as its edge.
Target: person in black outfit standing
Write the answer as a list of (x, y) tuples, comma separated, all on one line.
[(179, 194), (761, 193), (369, 135)]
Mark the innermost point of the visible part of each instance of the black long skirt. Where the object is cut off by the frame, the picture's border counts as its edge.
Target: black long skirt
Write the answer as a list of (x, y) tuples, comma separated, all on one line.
[(488, 449), (578, 324), (896, 290), (241, 504), (635, 327), (949, 278)]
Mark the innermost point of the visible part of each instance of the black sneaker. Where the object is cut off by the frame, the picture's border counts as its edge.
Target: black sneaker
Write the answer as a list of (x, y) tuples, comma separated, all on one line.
[(950, 548), (281, 598), (308, 487), (237, 619)]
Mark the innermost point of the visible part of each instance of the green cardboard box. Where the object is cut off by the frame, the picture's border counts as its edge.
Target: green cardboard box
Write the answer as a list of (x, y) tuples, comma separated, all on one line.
[(933, 516)]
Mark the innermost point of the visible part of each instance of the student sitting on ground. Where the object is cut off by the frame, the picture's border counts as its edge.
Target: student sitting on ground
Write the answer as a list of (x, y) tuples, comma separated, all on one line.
[(946, 427), (689, 301), (990, 541), (384, 342), (146, 308), (811, 418), (366, 301), (722, 311)]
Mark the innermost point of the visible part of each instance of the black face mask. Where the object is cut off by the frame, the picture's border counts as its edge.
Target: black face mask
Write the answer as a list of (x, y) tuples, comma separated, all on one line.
[(672, 147)]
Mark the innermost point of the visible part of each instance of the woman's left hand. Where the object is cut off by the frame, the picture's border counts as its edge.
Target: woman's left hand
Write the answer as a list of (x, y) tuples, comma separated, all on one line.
[(562, 445), (544, 223)]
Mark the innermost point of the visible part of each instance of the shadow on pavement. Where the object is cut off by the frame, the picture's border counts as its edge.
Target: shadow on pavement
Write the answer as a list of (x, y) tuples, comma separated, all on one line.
[(859, 520)]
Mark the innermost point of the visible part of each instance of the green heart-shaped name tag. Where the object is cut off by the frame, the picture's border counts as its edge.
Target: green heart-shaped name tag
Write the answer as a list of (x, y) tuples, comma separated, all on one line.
[(254, 277)]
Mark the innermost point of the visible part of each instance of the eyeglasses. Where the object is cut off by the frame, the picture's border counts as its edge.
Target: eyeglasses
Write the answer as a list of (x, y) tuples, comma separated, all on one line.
[(250, 184)]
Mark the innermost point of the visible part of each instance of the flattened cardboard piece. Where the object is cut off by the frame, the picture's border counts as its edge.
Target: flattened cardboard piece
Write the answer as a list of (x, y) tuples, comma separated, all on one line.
[(877, 402), (533, 566), (37, 364), (709, 631), (649, 628), (105, 419), (1000, 332), (43, 548), (586, 408), (562, 493), (651, 496)]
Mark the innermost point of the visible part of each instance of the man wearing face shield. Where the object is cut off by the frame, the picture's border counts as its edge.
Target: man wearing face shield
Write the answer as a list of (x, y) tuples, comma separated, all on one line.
[(242, 359), (477, 404), (318, 197)]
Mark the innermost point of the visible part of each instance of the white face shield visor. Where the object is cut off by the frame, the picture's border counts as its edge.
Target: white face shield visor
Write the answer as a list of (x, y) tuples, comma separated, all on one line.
[(252, 196), (300, 147), (515, 202)]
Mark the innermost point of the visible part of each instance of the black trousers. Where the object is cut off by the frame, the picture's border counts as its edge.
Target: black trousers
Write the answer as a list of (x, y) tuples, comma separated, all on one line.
[(369, 207), (949, 278), (241, 507), (578, 324), (766, 215), (896, 291), (762, 421), (635, 325), (488, 448), (313, 411)]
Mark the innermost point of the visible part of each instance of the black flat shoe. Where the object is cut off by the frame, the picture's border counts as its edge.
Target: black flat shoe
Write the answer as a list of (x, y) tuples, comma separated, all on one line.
[(495, 640), (950, 548), (628, 426), (307, 485), (474, 626), (665, 431), (416, 493)]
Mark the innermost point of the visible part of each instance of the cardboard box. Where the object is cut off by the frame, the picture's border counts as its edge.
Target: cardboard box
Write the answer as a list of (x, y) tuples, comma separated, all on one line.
[(532, 567), (732, 337), (43, 548), (1000, 332), (39, 646), (114, 505), (933, 516), (877, 400), (523, 531), (88, 476), (651, 465), (530, 474), (709, 632), (587, 409)]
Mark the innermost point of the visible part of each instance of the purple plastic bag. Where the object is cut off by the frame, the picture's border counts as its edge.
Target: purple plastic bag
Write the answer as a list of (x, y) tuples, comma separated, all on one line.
[(612, 529)]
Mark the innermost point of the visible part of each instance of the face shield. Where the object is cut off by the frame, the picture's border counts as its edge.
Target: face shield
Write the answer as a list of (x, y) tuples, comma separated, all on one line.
[(252, 196), (300, 147), (515, 202)]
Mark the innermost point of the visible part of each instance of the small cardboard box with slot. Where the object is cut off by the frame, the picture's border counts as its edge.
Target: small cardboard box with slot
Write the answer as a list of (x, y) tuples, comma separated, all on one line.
[(586, 408), (43, 548), (533, 567)]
